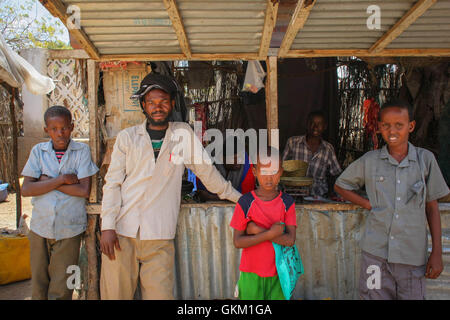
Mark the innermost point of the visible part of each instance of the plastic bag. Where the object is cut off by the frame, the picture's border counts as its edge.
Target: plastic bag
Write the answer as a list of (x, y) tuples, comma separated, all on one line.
[(21, 71), (254, 77), (289, 267)]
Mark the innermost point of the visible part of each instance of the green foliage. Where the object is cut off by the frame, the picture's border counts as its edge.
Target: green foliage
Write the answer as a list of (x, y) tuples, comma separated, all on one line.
[(22, 28)]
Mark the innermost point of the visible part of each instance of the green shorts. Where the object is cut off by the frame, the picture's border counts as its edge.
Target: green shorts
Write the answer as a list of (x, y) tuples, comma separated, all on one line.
[(253, 287)]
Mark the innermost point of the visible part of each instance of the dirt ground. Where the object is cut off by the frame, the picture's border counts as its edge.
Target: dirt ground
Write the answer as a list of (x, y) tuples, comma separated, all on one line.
[(8, 211), (18, 290)]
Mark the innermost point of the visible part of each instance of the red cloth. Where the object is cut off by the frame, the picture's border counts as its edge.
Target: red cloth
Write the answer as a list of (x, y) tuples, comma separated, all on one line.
[(260, 259), (249, 182), (371, 109)]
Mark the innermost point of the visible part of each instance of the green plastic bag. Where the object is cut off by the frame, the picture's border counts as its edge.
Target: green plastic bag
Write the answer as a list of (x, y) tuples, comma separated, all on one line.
[(289, 267)]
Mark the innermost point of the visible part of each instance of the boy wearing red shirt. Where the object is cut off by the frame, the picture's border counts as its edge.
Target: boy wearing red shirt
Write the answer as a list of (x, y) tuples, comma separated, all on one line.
[(259, 219)]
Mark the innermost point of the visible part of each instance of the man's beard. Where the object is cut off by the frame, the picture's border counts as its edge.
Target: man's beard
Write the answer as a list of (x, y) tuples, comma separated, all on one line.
[(159, 122)]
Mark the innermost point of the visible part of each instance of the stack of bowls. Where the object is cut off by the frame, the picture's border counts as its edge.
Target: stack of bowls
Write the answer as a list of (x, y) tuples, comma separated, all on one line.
[(294, 174), (295, 168)]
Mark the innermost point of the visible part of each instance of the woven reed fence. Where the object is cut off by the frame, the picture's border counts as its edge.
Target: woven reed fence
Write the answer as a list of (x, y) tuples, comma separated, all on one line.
[(6, 140)]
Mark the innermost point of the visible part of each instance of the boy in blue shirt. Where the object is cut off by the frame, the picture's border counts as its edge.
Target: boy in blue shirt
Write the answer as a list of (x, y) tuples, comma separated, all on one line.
[(403, 183), (58, 177)]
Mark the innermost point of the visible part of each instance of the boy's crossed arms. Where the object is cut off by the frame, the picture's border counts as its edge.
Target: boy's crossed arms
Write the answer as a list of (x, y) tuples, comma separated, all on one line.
[(255, 234), (66, 183)]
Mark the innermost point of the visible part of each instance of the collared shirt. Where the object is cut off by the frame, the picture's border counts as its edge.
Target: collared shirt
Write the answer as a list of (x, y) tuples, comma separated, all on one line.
[(57, 215), (396, 228), (143, 194), (321, 163)]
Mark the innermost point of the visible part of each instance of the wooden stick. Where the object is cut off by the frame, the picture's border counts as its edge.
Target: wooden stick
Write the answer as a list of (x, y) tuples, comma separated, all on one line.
[(272, 96), (94, 143), (177, 24), (68, 54), (297, 22), (12, 111), (305, 53), (269, 25), (171, 57)]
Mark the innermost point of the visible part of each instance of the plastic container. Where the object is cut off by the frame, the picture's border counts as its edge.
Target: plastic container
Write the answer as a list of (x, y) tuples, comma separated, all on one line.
[(14, 259)]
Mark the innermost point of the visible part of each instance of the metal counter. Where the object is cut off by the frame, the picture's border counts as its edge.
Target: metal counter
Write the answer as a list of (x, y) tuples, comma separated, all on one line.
[(207, 263)]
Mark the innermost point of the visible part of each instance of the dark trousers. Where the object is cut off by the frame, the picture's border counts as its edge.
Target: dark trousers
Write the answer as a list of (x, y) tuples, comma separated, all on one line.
[(396, 281), (49, 262)]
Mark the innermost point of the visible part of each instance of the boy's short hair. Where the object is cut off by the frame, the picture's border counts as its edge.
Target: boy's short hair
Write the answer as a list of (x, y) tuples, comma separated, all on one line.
[(313, 114), (57, 111), (397, 103)]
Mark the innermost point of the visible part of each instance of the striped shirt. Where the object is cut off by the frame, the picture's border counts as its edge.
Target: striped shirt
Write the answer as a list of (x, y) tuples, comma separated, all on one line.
[(321, 163), (157, 138), (59, 154)]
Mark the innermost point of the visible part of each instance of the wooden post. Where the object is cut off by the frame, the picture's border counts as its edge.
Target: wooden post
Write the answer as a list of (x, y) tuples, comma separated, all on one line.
[(12, 111), (94, 141), (90, 241), (94, 144), (272, 98)]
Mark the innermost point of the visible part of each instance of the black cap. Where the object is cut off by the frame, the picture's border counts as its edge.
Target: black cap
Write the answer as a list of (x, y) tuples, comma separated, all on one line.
[(156, 81)]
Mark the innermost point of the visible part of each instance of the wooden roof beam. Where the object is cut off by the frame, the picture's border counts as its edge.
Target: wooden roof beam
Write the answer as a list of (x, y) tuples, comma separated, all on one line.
[(59, 10), (412, 15), (297, 22), (269, 25), (307, 53), (177, 24), (172, 57)]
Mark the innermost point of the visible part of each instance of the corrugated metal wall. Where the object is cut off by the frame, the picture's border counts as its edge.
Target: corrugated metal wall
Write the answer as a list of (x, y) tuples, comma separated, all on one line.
[(440, 288), (207, 263)]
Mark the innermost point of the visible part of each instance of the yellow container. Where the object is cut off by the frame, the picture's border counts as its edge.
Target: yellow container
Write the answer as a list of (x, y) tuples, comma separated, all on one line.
[(14, 259)]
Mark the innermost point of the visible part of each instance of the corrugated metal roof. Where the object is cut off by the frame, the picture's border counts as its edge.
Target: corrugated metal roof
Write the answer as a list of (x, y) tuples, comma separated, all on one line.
[(336, 24), (128, 27), (431, 30), (240, 29), (134, 27), (246, 16)]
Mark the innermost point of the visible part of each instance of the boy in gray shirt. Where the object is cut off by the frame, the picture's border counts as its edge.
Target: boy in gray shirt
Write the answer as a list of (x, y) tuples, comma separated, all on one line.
[(58, 177), (403, 183)]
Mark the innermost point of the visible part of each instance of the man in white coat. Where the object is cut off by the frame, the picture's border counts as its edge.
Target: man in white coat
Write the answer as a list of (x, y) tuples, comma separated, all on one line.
[(142, 194)]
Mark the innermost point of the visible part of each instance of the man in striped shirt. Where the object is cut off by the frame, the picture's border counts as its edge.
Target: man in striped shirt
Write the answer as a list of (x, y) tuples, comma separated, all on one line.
[(317, 152)]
